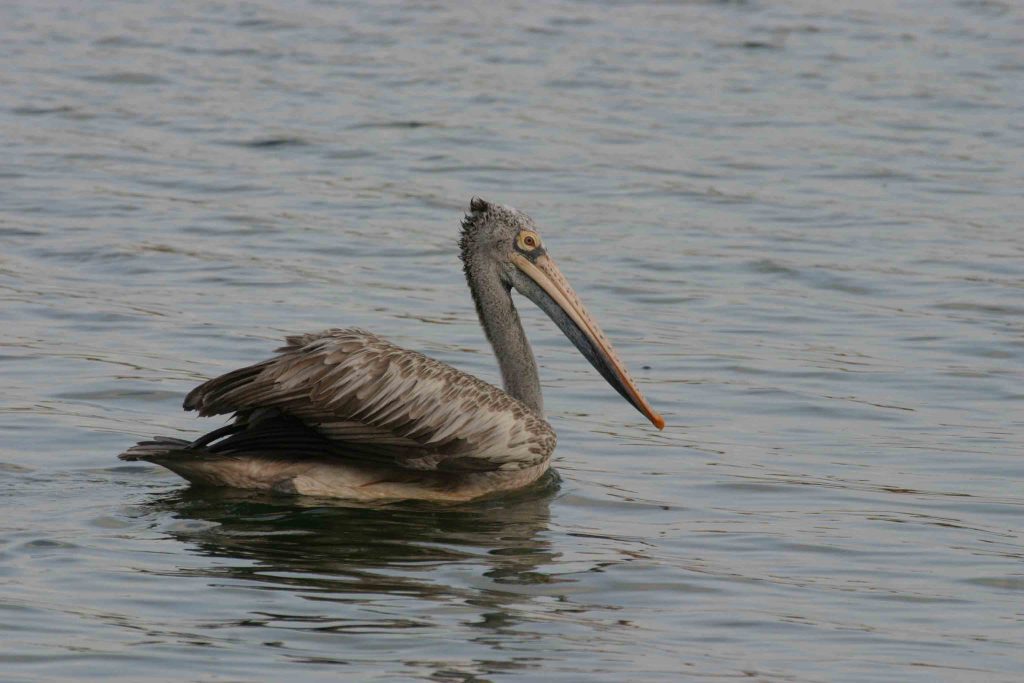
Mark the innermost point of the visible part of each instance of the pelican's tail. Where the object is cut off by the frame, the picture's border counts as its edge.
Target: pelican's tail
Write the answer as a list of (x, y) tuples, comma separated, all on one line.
[(188, 459), (265, 456), (157, 450)]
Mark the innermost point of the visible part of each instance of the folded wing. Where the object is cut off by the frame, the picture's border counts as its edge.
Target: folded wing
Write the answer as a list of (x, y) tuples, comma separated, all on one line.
[(382, 403)]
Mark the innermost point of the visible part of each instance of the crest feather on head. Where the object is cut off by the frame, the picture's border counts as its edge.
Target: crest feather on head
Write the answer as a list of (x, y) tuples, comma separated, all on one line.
[(477, 208), (478, 205)]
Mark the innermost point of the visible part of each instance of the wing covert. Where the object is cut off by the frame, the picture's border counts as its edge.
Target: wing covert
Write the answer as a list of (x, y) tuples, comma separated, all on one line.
[(385, 404)]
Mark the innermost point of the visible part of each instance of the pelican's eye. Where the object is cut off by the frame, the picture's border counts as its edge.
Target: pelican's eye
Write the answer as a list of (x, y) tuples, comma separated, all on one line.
[(528, 240)]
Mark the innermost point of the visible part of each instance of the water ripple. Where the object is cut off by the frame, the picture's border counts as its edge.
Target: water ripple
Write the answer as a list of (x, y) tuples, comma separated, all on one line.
[(798, 222)]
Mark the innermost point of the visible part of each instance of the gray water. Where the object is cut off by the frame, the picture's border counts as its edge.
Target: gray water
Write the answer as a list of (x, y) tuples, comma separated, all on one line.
[(800, 222)]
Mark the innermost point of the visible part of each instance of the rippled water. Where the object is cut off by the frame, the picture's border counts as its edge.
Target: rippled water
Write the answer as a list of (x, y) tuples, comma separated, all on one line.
[(799, 221)]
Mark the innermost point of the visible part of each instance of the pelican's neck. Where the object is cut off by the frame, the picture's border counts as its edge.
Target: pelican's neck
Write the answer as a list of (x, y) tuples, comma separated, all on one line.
[(500, 320)]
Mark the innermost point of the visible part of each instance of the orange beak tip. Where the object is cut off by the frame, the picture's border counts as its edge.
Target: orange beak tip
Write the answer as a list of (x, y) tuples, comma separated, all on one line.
[(658, 421)]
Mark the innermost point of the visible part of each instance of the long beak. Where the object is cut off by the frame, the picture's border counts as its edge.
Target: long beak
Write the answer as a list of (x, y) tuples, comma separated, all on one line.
[(556, 298)]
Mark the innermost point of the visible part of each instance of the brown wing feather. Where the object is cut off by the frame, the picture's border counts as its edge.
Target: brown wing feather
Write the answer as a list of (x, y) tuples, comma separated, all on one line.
[(386, 402)]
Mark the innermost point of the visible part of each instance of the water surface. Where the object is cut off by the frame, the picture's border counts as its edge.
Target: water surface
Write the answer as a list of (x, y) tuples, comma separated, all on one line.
[(799, 222)]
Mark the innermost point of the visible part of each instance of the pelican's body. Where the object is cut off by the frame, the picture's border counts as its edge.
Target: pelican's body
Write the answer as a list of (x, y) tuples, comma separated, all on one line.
[(344, 413)]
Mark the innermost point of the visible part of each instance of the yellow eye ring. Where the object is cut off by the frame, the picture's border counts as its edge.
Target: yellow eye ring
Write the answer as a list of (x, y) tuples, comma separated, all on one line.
[(528, 241)]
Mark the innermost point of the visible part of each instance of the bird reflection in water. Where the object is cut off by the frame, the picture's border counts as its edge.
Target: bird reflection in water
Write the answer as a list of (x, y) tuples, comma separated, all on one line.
[(323, 551)]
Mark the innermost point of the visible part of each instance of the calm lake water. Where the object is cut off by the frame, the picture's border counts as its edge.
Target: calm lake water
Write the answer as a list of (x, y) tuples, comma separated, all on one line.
[(800, 222)]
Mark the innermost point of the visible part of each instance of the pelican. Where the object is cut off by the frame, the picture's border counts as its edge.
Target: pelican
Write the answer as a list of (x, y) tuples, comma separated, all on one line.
[(345, 414)]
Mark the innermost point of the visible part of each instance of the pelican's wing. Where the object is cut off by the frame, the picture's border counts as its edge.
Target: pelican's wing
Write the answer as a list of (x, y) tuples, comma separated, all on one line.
[(384, 403)]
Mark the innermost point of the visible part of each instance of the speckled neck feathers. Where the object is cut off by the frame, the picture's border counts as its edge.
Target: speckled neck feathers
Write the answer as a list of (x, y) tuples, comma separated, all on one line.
[(481, 230)]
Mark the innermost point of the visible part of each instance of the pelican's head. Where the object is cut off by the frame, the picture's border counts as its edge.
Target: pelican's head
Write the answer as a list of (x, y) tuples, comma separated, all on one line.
[(502, 242)]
